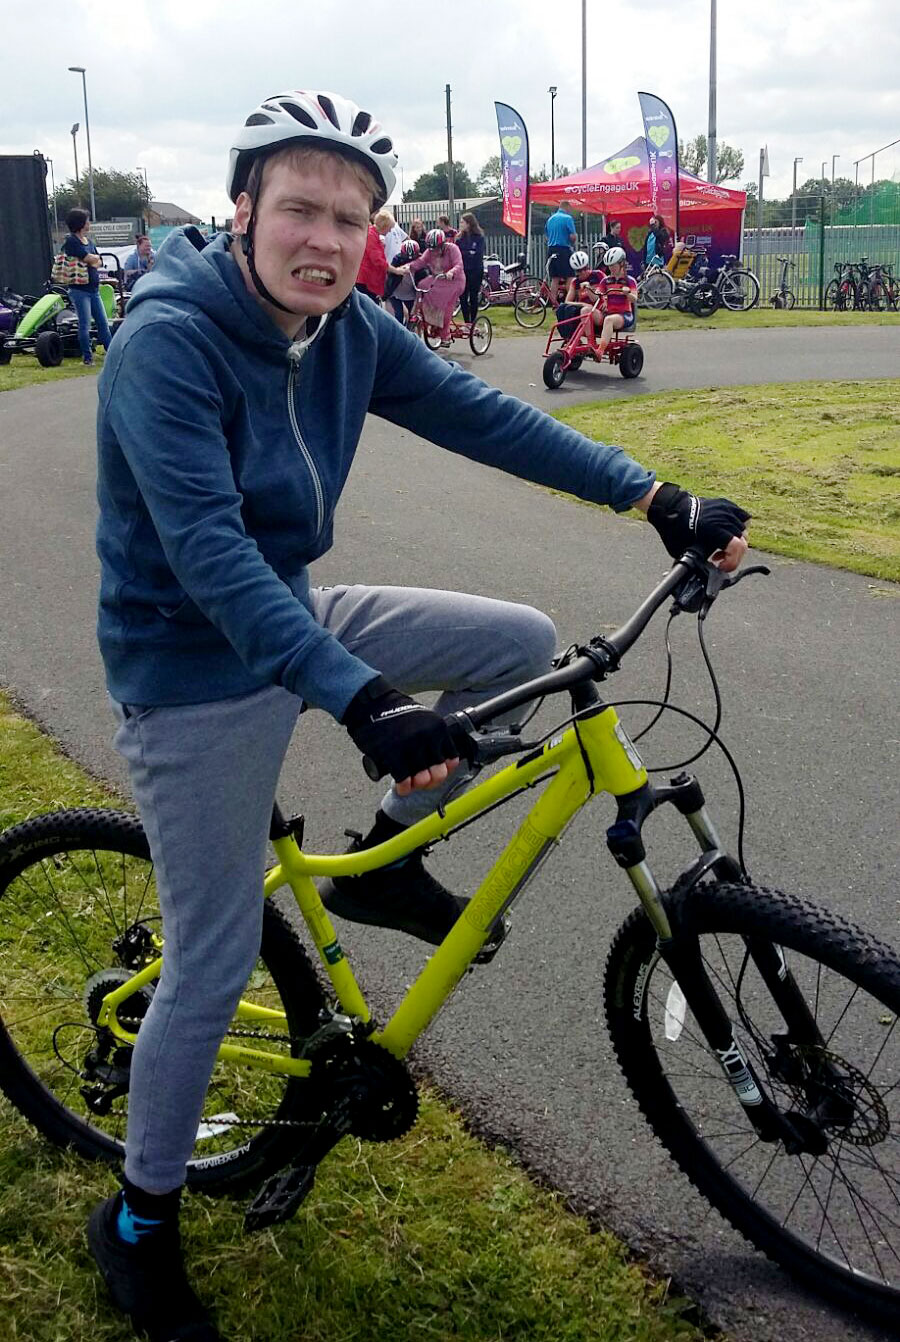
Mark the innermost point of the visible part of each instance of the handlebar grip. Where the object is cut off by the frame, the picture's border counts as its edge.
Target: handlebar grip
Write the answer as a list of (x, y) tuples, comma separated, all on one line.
[(372, 768)]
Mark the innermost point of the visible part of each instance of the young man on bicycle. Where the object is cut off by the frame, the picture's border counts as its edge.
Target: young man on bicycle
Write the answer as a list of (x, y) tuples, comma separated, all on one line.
[(218, 481)]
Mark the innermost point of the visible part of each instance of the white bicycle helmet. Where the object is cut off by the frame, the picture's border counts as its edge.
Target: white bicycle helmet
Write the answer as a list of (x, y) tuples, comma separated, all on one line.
[(579, 261), (299, 117), (614, 256)]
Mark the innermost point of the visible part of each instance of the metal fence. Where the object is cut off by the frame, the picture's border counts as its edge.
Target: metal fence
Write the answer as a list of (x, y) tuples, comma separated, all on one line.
[(814, 238)]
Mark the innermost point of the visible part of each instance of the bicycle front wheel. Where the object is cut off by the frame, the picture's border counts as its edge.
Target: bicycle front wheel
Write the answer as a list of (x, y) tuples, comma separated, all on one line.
[(833, 1219), (740, 290), (529, 304), (656, 289), (79, 916)]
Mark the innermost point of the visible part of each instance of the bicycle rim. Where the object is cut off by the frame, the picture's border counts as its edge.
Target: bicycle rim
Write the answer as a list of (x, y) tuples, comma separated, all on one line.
[(79, 911), (832, 1219)]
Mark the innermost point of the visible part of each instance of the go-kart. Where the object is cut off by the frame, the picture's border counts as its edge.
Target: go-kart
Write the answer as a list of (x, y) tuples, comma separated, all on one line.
[(578, 339), (47, 327)]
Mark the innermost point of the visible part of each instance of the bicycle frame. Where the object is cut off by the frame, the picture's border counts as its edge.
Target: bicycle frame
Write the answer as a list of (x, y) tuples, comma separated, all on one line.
[(577, 764)]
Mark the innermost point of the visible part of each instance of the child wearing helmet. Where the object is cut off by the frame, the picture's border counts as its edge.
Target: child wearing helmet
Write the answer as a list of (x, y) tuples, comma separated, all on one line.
[(217, 483), (448, 280), (618, 290), (400, 290)]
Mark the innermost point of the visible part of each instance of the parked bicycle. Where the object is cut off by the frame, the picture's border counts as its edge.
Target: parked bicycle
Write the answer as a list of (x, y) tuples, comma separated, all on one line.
[(840, 293), (738, 286), (758, 1033), (784, 296), (656, 287)]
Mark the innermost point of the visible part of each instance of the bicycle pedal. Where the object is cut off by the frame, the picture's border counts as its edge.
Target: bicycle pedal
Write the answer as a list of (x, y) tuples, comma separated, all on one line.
[(279, 1197)]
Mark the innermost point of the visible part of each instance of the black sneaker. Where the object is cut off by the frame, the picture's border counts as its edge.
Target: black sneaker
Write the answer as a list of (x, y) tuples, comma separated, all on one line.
[(147, 1280), (405, 898)]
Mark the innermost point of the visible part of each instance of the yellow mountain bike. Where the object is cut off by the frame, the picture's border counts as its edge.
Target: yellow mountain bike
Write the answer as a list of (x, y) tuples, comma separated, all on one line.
[(758, 1033)]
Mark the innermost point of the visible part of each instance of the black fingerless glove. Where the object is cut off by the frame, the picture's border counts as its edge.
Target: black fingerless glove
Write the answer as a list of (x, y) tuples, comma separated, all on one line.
[(686, 522), (401, 737)]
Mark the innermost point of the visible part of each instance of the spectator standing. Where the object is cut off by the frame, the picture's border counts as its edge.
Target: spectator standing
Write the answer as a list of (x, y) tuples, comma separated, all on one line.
[(373, 268), (417, 231), (391, 234), (561, 238), (444, 224), (470, 241), (613, 235), (86, 297)]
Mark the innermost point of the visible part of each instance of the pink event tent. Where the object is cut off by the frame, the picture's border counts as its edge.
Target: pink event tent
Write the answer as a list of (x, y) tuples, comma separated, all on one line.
[(619, 187)]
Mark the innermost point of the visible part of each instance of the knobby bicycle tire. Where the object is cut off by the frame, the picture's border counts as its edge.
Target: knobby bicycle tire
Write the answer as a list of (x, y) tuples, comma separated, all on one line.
[(820, 1217), (71, 883)]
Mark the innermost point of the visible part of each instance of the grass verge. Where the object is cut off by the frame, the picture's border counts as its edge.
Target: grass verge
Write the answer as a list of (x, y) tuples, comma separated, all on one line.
[(504, 322), (23, 370), (817, 463), (432, 1235)]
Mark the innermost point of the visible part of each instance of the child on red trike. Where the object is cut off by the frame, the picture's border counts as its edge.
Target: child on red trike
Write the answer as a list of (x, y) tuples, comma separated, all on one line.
[(617, 292), (596, 320)]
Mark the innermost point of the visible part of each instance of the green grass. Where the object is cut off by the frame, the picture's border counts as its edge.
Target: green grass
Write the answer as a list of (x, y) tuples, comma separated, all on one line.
[(504, 322), (23, 370), (817, 463), (431, 1236)]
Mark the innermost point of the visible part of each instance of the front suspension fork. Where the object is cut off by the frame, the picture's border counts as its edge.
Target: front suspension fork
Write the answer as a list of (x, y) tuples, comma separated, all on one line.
[(683, 956)]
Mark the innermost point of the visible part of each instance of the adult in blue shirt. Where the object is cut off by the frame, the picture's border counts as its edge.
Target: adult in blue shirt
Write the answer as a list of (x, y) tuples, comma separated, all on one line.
[(561, 238), (86, 298)]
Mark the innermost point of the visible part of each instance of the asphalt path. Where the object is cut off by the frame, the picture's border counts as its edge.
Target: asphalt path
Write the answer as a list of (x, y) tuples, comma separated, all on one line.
[(807, 662)]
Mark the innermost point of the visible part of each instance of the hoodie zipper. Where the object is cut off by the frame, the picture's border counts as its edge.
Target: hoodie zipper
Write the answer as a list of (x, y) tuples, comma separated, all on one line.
[(307, 455)]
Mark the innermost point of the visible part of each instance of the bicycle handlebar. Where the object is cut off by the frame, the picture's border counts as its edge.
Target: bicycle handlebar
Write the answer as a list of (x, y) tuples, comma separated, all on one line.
[(695, 584)]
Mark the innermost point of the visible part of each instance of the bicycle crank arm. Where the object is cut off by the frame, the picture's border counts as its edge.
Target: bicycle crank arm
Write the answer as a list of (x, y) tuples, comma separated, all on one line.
[(281, 1195)]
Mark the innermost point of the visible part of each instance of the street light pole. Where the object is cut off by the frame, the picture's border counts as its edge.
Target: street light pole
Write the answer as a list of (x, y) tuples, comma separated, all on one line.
[(552, 92), (80, 70), (794, 196), (74, 132), (711, 132)]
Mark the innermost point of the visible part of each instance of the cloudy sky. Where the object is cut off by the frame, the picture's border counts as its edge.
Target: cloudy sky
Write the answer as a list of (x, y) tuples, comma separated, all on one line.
[(169, 81)]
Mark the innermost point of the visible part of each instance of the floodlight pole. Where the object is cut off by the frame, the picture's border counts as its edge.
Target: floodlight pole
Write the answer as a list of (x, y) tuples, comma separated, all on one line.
[(80, 70)]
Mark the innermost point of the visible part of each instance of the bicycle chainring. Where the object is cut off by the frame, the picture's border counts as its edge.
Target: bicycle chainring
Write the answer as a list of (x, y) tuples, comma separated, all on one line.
[(369, 1083)]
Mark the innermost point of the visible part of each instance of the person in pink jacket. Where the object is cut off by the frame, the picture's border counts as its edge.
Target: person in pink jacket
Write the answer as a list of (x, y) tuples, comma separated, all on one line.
[(445, 262)]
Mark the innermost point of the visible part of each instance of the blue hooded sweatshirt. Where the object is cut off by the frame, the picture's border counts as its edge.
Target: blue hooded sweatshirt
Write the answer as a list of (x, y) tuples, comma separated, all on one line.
[(223, 449)]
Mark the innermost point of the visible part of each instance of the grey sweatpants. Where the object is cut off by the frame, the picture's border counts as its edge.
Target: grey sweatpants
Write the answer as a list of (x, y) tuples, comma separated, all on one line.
[(204, 778)]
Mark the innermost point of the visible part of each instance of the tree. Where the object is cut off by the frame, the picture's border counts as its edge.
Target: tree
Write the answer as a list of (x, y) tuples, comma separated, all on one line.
[(121, 194), (844, 190), (435, 186), (543, 174), (488, 183), (751, 189), (692, 157)]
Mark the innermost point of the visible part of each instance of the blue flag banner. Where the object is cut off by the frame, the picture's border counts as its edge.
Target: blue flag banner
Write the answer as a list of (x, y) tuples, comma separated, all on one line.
[(662, 157), (513, 168)]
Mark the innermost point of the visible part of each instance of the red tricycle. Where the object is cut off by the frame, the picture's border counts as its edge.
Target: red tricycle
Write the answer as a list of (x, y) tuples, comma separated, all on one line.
[(479, 333), (580, 340)]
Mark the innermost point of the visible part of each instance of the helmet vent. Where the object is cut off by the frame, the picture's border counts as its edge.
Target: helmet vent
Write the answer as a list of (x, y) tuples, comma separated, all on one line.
[(327, 107), (259, 119), (300, 114), (381, 146), (361, 124)]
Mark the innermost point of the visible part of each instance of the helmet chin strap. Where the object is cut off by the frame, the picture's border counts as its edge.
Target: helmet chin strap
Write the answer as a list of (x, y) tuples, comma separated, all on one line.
[(247, 249), (246, 240)]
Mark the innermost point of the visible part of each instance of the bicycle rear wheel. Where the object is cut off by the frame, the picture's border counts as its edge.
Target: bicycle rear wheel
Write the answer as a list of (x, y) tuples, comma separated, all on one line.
[(831, 1219), (78, 915), (529, 305)]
